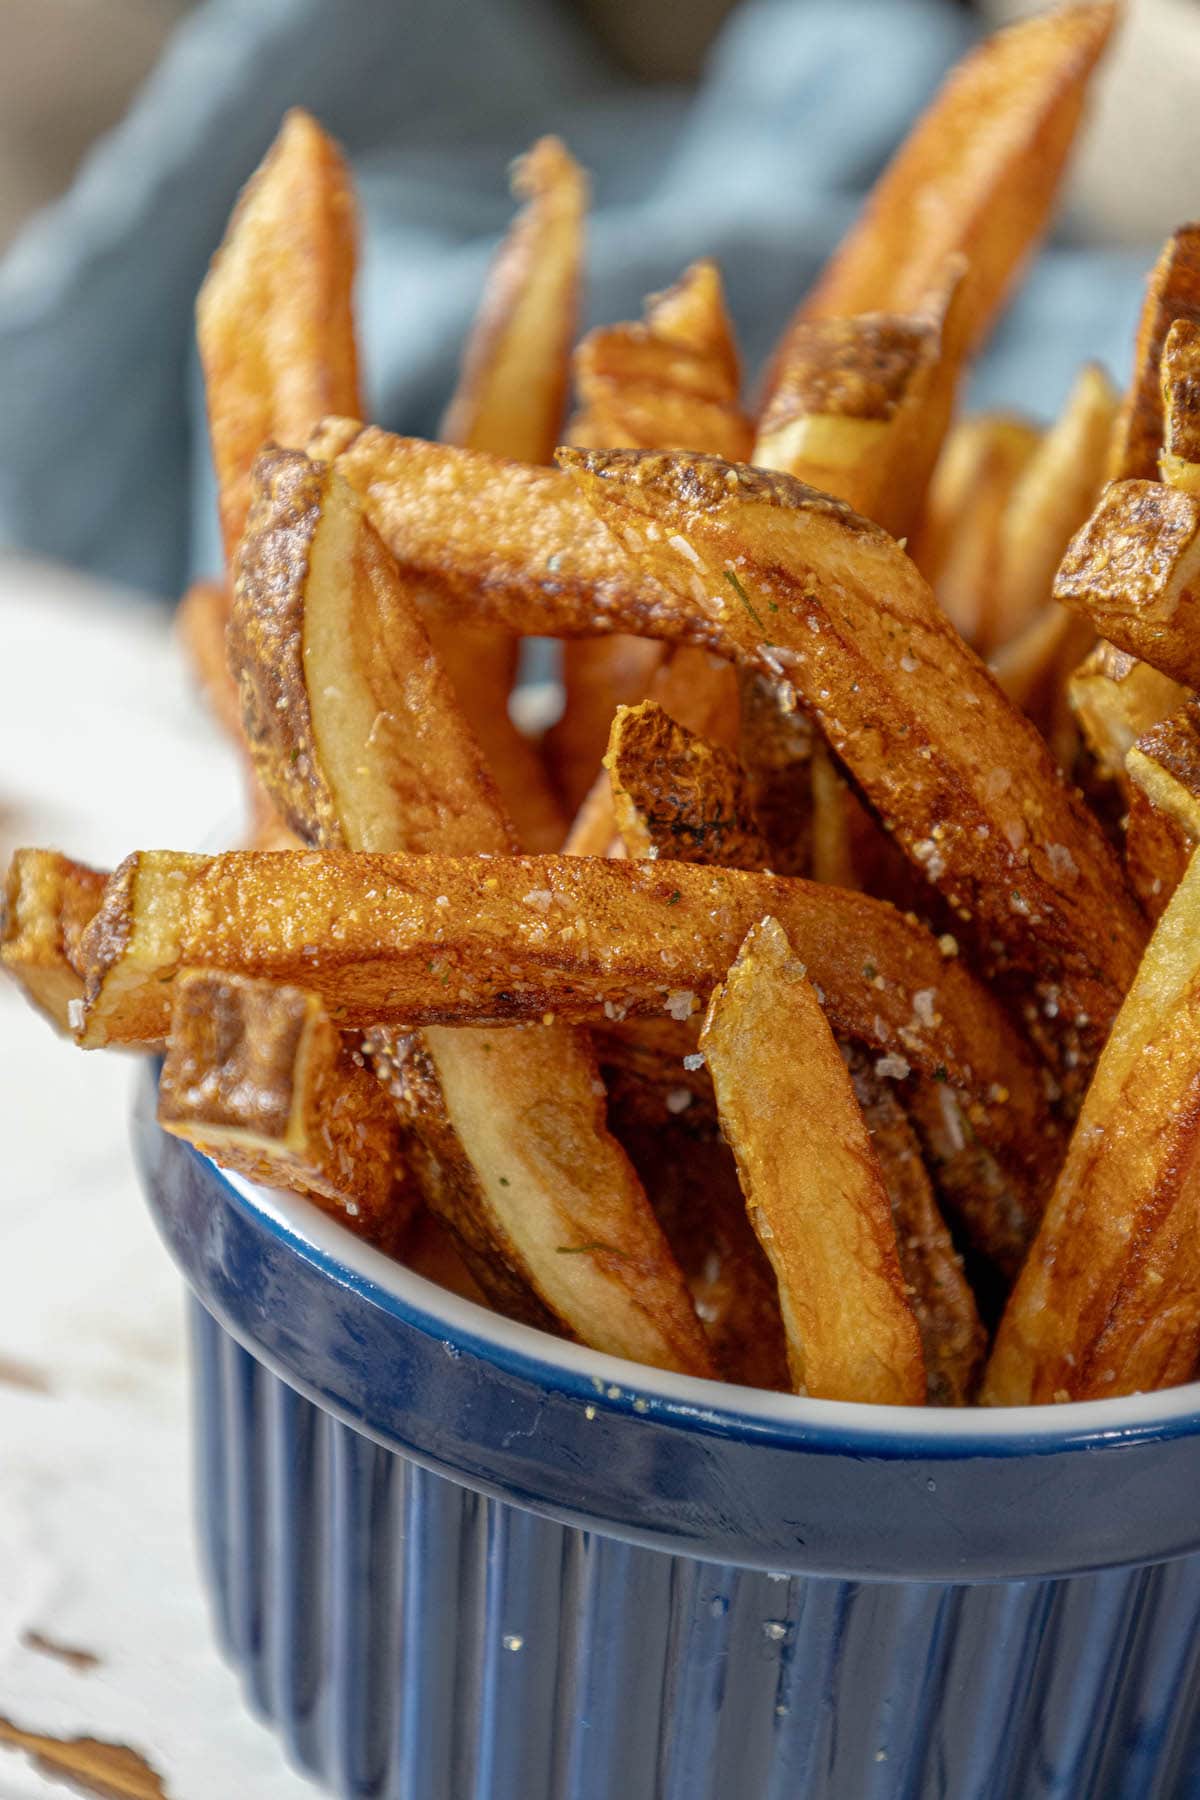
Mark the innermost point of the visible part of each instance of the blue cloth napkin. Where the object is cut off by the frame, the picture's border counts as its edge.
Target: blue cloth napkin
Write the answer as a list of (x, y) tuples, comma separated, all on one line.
[(103, 456)]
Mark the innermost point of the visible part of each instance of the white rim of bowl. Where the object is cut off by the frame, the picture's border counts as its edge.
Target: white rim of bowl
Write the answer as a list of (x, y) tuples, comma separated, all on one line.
[(705, 1401)]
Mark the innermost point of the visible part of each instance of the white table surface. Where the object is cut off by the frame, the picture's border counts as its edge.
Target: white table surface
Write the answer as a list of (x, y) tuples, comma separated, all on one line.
[(103, 749)]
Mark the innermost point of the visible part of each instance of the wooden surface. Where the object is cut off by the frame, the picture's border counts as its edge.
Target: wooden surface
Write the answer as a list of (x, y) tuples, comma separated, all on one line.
[(109, 1682)]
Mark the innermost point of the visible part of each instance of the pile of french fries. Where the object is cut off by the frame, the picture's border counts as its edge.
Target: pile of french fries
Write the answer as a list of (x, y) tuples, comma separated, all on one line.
[(816, 1004)]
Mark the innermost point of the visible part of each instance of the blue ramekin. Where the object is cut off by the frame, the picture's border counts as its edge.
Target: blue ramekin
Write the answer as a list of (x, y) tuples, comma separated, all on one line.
[(455, 1559)]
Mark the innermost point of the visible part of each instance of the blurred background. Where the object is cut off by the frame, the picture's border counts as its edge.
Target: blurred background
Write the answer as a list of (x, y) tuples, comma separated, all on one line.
[(749, 132)]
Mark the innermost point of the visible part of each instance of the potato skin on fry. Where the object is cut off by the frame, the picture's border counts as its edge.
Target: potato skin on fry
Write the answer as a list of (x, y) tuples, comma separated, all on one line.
[(812, 1184), (1134, 570), (274, 317), (257, 1077), (1109, 1300)]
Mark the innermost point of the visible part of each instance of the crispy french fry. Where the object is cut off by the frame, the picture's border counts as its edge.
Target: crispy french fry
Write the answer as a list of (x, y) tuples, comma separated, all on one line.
[(1163, 823), (901, 699), (1109, 1300), (959, 546), (1116, 698), (678, 796), (1179, 459), (909, 710), (776, 744), (510, 400), (1050, 499), (995, 1214), (1157, 853), (1164, 762), (513, 387), (859, 406), (1172, 292), (977, 175), (274, 317), (666, 1119), (257, 1077), (426, 940), (668, 383), (49, 902), (952, 1338), (370, 750), (811, 1180), (1134, 570)]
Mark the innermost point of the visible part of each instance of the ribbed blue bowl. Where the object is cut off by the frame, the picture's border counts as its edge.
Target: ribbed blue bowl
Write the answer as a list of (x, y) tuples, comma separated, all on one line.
[(455, 1559)]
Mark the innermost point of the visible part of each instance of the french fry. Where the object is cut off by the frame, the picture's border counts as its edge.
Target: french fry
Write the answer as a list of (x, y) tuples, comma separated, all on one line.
[(1164, 763), (420, 940), (257, 1077), (858, 407), (513, 387), (677, 796), (1157, 853), (274, 317), (200, 621), (370, 750), (977, 175), (775, 746), (510, 400), (1109, 1300), (668, 383), (1172, 292), (1179, 459), (49, 902), (995, 1214), (901, 699), (665, 1117), (953, 1343), (906, 706), (811, 1180), (1116, 698), (1133, 570), (958, 548)]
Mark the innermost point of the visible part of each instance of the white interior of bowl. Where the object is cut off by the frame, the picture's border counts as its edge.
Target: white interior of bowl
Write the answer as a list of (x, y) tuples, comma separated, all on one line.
[(721, 1402)]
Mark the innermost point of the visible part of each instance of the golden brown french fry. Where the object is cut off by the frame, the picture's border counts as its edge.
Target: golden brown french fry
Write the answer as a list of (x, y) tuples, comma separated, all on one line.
[(800, 586), (670, 382), (1164, 763), (1116, 698), (274, 317), (257, 1077), (958, 548), (677, 796), (1109, 1300), (977, 175), (1179, 459), (1133, 570), (1163, 823), (1172, 292), (995, 1214), (1157, 853), (1050, 499), (811, 1180), (908, 709), (49, 901), (510, 400), (859, 406), (666, 1118), (513, 387), (430, 940), (370, 750), (775, 746), (952, 1337)]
